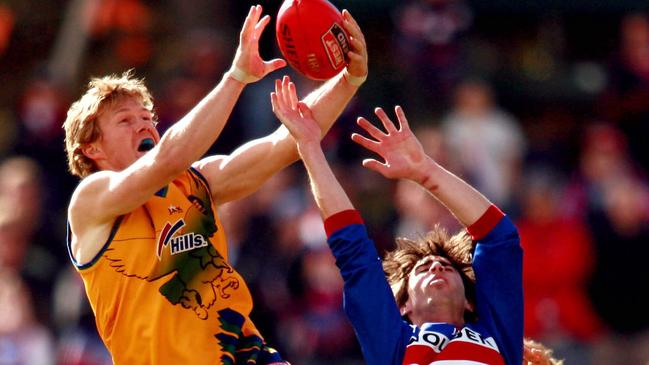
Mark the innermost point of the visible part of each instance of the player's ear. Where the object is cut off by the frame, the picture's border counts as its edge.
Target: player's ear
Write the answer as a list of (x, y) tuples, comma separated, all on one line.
[(406, 308), (91, 151), (468, 306)]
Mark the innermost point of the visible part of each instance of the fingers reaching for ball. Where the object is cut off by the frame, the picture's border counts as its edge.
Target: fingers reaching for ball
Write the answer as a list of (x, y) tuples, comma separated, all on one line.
[(358, 51), (294, 114), (248, 66)]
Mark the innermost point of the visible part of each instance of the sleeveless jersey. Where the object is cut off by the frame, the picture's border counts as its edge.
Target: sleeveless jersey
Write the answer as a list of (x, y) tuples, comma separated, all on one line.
[(162, 289)]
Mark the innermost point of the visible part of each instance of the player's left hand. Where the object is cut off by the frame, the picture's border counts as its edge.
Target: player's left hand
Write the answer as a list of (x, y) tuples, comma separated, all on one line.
[(402, 152), (247, 59)]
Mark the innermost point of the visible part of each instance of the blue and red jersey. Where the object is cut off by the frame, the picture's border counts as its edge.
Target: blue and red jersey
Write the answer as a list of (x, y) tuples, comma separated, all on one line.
[(496, 337)]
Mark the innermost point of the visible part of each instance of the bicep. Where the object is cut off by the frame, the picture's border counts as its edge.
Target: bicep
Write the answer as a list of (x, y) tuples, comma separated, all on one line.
[(367, 296), (499, 287), (241, 173)]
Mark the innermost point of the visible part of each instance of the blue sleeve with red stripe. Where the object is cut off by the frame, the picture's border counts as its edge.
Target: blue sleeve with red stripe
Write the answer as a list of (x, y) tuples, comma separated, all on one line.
[(498, 266), (368, 300)]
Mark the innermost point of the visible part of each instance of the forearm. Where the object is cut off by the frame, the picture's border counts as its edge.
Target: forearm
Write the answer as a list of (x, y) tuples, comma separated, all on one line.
[(327, 191), (188, 139), (329, 101), (326, 103), (460, 198)]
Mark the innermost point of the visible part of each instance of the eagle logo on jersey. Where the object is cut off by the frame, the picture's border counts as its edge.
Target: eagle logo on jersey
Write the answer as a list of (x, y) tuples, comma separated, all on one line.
[(196, 275)]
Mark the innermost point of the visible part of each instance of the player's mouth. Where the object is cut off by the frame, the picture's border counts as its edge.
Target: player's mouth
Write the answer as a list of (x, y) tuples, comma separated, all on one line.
[(146, 145), (436, 281)]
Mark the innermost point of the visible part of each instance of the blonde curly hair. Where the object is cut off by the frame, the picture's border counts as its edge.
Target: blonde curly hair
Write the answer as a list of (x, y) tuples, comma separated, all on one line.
[(535, 353), (81, 125)]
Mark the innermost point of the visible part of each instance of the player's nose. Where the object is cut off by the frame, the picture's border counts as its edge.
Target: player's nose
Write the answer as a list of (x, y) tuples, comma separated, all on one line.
[(436, 266)]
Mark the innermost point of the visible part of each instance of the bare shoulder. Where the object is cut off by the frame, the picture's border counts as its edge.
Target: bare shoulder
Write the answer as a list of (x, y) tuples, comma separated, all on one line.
[(213, 169), (89, 224)]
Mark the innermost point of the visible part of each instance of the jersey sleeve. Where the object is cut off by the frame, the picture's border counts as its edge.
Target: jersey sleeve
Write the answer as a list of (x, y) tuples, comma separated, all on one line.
[(368, 300), (498, 266)]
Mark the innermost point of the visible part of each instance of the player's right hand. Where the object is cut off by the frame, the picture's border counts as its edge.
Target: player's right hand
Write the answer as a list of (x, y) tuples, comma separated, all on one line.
[(403, 154), (248, 66)]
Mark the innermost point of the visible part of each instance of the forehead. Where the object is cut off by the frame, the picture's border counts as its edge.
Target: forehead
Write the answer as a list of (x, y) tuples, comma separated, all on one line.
[(122, 103), (430, 259)]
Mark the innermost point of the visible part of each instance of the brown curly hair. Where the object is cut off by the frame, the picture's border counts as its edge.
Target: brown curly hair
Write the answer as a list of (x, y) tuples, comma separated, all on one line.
[(81, 125), (458, 249)]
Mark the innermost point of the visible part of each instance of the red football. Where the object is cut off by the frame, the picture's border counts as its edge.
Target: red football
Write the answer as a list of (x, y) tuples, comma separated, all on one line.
[(311, 37)]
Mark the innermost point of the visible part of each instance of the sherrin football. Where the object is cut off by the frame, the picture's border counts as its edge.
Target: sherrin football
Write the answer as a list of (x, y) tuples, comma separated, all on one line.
[(311, 37)]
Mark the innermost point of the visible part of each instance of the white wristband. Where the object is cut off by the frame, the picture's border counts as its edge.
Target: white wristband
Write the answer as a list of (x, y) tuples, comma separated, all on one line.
[(354, 80), (241, 75)]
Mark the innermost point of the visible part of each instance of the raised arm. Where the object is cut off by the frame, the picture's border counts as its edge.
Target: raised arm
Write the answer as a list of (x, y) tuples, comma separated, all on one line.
[(404, 158), (103, 196), (250, 165), (298, 118), (367, 295), (497, 260)]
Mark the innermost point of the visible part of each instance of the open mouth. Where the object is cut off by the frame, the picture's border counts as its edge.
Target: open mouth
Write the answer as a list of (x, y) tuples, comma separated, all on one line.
[(146, 145)]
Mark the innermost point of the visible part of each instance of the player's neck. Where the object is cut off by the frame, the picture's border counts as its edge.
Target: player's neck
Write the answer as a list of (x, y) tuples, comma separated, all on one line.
[(439, 314)]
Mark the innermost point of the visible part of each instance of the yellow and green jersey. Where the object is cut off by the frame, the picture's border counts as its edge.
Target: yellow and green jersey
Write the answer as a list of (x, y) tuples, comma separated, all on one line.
[(162, 289)]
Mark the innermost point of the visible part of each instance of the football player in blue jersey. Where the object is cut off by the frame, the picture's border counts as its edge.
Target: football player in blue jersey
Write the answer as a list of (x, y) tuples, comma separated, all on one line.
[(459, 298)]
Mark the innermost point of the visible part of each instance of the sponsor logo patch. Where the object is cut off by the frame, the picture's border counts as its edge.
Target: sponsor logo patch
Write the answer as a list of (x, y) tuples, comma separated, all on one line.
[(179, 243), (336, 44)]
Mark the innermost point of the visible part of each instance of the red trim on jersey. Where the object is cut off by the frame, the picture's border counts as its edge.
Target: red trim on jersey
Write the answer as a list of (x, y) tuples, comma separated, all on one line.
[(486, 223), (419, 354), (460, 350), (456, 350), (341, 220)]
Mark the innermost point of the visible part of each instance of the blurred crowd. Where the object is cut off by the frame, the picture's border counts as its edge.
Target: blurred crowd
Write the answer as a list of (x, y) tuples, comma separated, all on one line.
[(547, 113)]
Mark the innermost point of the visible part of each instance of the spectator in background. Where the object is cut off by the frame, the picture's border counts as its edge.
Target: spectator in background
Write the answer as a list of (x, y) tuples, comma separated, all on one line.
[(25, 247), (74, 321), (42, 107), (200, 62), (6, 27), (26, 269), (626, 99), (23, 339), (603, 159), (41, 110), (427, 46), (127, 25), (621, 234), (557, 266), (314, 327), (487, 143)]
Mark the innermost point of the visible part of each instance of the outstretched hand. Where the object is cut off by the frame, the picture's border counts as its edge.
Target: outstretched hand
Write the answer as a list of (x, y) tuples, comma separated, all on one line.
[(294, 114), (251, 67), (357, 54), (403, 154)]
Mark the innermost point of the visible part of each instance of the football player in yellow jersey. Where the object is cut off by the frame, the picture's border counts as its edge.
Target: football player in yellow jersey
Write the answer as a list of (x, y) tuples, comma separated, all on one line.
[(143, 232)]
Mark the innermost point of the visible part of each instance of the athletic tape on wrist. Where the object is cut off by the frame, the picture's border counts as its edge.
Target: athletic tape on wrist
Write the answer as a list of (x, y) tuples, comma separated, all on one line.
[(241, 75), (354, 80)]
